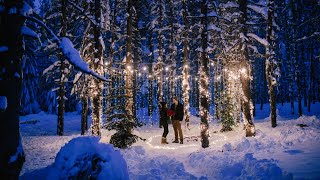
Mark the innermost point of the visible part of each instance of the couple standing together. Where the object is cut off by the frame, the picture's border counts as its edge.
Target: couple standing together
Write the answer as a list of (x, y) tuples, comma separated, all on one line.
[(176, 113)]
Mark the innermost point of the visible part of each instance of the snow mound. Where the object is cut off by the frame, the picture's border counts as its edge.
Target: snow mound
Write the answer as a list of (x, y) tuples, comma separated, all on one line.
[(233, 166), (227, 147), (85, 157), (159, 167)]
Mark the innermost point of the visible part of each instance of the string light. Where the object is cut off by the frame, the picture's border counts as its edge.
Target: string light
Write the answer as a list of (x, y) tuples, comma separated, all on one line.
[(144, 68), (212, 64), (129, 67), (167, 68), (106, 63), (139, 74), (243, 70)]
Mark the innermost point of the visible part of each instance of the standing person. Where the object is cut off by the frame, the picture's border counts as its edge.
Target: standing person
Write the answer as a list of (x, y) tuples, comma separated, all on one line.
[(177, 107), (164, 121)]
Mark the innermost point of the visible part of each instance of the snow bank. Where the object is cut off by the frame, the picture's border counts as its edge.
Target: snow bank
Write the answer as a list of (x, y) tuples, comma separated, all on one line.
[(85, 157), (231, 165), (142, 166)]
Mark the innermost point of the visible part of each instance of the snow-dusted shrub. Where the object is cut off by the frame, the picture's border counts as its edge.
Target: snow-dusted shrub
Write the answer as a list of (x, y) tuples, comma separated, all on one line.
[(86, 158)]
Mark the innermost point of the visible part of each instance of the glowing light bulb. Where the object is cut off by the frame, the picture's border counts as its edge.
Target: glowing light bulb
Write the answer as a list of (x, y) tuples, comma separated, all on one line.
[(129, 67), (167, 69), (186, 66), (212, 64), (139, 74), (106, 63), (243, 70), (144, 68)]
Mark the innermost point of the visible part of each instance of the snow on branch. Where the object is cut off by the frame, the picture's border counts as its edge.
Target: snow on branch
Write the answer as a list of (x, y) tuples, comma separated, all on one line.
[(28, 32), (68, 50), (259, 39), (74, 58), (260, 10), (82, 11)]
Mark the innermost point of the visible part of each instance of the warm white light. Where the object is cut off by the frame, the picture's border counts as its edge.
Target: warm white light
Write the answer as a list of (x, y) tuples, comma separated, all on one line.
[(243, 70), (149, 76), (167, 69), (139, 74), (186, 66), (106, 63), (212, 64), (196, 79), (129, 67), (131, 71), (144, 68)]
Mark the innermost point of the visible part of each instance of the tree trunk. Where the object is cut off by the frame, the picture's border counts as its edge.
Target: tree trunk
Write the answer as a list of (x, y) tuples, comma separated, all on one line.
[(245, 74), (150, 86), (11, 151), (135, 59), (61, 92), (204, 79), (271, 63), (295, 55), (129, 68), (84, 115), (160, 58), (185, 71), (97, 67)]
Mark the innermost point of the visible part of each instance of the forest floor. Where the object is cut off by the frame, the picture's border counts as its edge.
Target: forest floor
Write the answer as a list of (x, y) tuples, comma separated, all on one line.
[(285, 152)]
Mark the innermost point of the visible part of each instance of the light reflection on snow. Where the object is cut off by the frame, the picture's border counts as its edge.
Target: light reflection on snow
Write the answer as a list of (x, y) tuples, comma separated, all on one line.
[(149, 140)]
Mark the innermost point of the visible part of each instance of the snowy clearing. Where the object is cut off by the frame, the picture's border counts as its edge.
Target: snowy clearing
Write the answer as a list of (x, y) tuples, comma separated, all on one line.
[(291, 150)]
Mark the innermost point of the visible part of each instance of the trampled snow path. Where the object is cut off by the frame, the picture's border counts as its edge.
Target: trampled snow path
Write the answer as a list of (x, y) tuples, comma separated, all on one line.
[(273, 153)]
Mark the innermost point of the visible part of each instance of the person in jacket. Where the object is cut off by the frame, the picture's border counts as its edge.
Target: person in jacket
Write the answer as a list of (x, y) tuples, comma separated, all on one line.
[(164, 121), (177, 107)]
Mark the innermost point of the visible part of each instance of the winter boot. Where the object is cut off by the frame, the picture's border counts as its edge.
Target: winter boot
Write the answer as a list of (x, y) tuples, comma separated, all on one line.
[(181, 141), (164, 140), (175, 141)]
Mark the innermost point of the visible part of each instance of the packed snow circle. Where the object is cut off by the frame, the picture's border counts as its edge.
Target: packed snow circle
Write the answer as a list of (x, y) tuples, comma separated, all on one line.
[(289, 151)]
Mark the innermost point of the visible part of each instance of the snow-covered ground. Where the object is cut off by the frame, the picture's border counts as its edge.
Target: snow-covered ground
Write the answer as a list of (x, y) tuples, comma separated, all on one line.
[(285, 152)]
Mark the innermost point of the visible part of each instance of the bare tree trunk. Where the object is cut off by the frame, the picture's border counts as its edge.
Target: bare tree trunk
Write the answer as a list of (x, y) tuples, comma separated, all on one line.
[(61, 92), (150, 83), (160, 58), (84, 115), (245, 74), (295, 55), (271, 63), (97, 67), (185, 71), (130, 70), (11, 151), (135, 57), (204, 78)]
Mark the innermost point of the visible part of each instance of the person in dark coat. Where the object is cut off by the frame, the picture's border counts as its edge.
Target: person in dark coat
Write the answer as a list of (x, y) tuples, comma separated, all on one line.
[(177, 119), (164, 121)]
